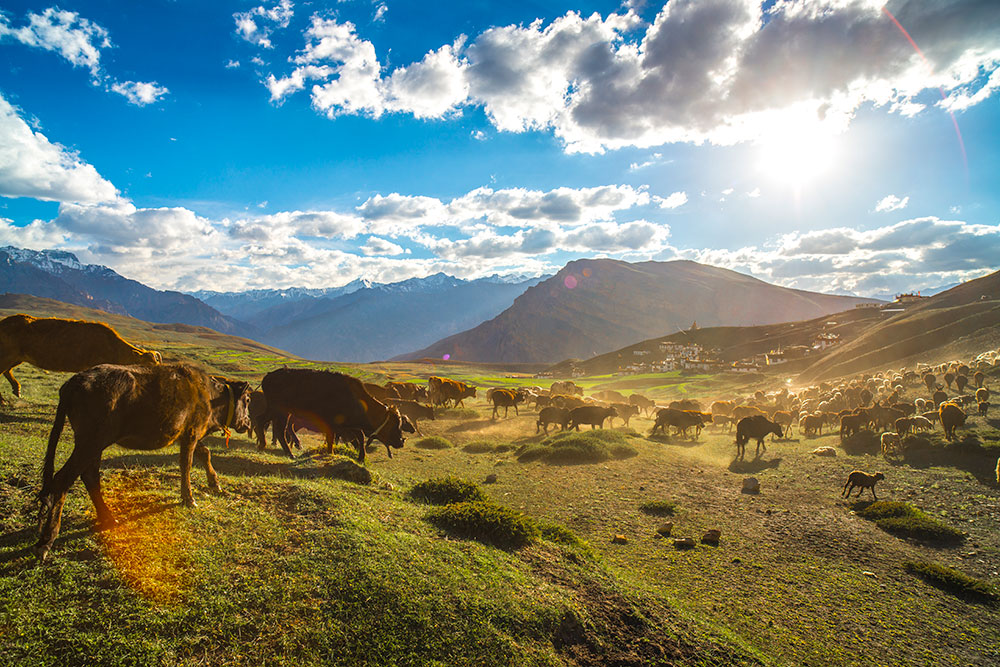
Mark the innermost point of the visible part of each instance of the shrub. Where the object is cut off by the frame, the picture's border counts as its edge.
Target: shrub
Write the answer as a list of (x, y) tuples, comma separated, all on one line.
[(478, 447), (444, 490), (953, 581), (862, 442), (659, 508), (904, 520), (433, 442), (572, 448), (485, 522)]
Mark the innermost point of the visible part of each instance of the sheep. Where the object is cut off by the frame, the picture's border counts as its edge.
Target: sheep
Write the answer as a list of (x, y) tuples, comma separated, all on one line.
[(862, 480), (983, 408), (903, 425), (921, 423), (890, 442)]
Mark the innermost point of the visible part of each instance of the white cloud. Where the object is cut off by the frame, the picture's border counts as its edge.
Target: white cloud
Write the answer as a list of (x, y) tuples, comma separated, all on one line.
[(377, 246), (139, 93), (232, 64), (674, 200), (753, 194), (891, 203), (32, 166), (380, 11), (257, 24), (73, 37), (721, 71)]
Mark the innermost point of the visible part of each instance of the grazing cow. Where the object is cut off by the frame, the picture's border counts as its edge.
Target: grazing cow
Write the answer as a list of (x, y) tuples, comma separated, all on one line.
[(757, 427), (505, 398), (681, 420), (594, 415), (566, 401), (442, 390), (920, 423), (785, 420), (334, 403), (138, 407), (906, 408), (552, 415), (863, 481), (952, 417), (625, 411), (380, 393), (409, 391), (55, 344), (413, 411), (724, 408), (811, 425), (643, 403), (609, 396), (685, 404)]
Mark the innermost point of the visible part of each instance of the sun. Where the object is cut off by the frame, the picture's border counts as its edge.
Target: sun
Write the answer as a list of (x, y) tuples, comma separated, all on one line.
[(797, 154)]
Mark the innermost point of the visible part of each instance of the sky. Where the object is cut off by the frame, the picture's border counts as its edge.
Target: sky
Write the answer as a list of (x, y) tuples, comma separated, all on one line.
[(834, 145)]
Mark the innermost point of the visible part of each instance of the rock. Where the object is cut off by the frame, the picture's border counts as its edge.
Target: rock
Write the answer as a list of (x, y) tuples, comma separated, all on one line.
[(712, 536), (350, 471), (619, 539), (825, 451), (665, 528), (387, 486), (869, 574), (490, 479), (751, 485), (684, 543)]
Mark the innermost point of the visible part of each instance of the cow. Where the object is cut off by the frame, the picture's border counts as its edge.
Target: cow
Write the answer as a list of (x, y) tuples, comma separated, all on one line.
[(137, 407), (380, 393), (590, 414), (785, 419), (409, 391), (741, 411), (681, 420), (413, 411), (56, 344), (685, 404), (952, 417), (566, 387), (862, 480), (442, 390), (757, 427), (643, 403), (852, 424), (552, 415), (336, 404), (625, 411), (609, 396), (505, 398)]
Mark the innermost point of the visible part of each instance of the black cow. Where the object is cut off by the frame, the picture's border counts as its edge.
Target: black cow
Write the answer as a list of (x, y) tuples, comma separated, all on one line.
[(757, 427)]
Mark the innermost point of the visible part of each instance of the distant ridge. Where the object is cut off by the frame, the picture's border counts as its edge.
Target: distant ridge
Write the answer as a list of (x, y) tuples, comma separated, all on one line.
[(593, 306)]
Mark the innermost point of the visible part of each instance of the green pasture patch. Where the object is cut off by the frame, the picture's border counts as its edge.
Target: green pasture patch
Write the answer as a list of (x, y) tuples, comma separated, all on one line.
[(479, 447), (487, 523), (953, 581), (905, 520), (573, 448), (433, 442), (445, 490)]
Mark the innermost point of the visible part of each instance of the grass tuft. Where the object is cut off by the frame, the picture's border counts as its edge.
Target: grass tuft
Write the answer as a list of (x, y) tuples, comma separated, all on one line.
[(479, 447), (904, 520), (445, 490), (572, 448), (659, 508), (487, 523), (953, 581), (433, 442)]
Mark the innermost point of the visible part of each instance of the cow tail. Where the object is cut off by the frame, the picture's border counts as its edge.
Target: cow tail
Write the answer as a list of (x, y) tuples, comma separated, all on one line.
[(49, 468)]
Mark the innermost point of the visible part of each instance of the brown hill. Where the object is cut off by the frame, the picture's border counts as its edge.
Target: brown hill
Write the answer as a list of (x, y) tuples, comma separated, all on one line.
[(963, 321), (595, 305)]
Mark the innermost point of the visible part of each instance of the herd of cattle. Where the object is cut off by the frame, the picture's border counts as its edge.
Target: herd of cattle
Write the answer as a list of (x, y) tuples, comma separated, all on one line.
[(124, 395)]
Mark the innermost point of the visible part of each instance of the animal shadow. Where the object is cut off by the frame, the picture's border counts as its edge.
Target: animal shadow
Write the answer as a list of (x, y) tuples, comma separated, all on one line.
[(754, 465), (675, 441)]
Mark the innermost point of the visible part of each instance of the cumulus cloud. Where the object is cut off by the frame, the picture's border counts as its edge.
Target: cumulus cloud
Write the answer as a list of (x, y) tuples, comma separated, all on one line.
[(674, 200), (891, 203), (377, 246), (73, 37), (139, 93), (720, 71), (33, 166), (257, 24)]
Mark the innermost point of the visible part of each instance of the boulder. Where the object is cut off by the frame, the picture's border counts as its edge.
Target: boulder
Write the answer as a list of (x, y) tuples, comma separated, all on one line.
[(684, 543), (619, 539), (490, 479), (825, 451), (664, 528), (712, 536), (751, 485)]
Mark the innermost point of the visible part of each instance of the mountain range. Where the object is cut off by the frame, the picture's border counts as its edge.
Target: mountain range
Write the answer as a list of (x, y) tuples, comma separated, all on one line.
[(593, 306)]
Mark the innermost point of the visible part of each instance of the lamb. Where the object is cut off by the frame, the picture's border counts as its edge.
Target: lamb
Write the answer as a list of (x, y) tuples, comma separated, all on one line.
[(890, 442), (862, 480)]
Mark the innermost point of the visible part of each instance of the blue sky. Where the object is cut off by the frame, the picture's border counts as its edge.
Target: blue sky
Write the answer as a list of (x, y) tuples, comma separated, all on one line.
[(195, 145)]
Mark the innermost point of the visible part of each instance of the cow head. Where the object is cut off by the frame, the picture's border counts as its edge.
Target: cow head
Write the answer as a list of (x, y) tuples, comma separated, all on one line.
[(231, 404), (150, 358), (390, 432)]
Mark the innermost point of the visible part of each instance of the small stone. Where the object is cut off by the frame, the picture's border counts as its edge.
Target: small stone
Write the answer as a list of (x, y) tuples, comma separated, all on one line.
[(387, 486), (712, 536), (825, 451), (619, 539), (665, 528), (751, 485), (490, 479), (869, 574), (684, 543), (642, 488)]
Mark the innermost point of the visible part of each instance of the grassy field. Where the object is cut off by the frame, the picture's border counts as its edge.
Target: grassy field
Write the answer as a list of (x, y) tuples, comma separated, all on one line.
[(295, 566)]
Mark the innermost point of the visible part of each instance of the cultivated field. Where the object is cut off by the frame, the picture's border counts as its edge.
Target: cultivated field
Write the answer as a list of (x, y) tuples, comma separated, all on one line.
[(293, 565)]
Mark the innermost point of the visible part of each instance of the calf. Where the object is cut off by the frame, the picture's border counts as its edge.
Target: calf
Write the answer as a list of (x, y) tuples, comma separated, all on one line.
[(863, 481), (136, 407)]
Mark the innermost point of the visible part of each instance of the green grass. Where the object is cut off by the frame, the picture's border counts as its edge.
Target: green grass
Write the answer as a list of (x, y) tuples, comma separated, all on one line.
[(479, 447), (904, 520), (433, 442), (953, 581), (575, 448), (487, 523), (445, 490), (659, 508)]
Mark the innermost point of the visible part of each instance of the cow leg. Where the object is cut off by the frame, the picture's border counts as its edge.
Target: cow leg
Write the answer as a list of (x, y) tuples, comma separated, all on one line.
[(279, 428), (53, 497), (91, 476), (873, 492), (187, 443), (15, 386), (417, 427), (362, 443), (260, 432), (515, 411), (205, 458)]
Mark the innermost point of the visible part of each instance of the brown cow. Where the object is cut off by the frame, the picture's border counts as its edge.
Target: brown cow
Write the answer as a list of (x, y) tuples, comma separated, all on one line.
[(566, 387), (413, 411), (590, 414), (609, 396), (625, 411), (505, 398), (379, 392), (55, 344), (335, 403), (757, 427), (136, 407), (443, 390), (681, 420), (409, 391), (643, 403), (552, 415), (952, 417)]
